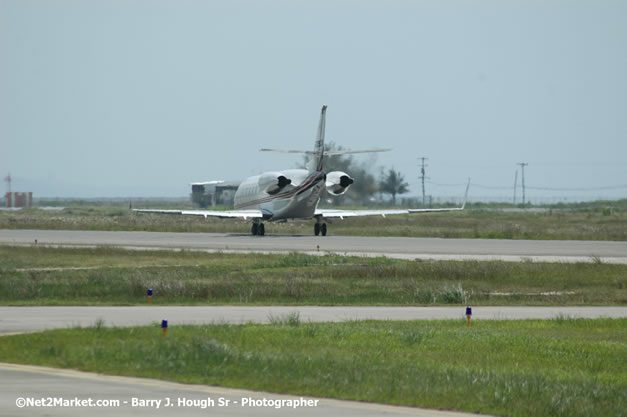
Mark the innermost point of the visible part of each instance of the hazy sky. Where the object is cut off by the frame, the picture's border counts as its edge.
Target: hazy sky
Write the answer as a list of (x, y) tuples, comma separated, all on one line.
[(121, 98)]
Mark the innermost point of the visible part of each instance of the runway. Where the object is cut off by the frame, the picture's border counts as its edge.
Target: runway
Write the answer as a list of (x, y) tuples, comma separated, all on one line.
[(396, 247)]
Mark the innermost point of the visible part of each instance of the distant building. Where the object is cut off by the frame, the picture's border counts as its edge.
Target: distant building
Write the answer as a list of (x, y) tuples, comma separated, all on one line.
[(18, 200), (212, 193)]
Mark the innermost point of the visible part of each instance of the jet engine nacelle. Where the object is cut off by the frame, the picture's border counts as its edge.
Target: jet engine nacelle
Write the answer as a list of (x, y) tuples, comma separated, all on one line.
[(273, 182), (338, 182)]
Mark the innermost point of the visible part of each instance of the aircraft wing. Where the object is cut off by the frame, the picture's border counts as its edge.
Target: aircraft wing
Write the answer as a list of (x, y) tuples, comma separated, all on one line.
[(330, 213), (223, 214)]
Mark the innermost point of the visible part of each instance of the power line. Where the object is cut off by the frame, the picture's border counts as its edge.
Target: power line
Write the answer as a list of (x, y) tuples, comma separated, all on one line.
[(490, 187), (439, 184), (617, 187), (527, 187), (496, 187)]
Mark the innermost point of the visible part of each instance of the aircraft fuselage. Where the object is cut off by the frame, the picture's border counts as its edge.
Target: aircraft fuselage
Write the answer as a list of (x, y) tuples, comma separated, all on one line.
[(296, 200)]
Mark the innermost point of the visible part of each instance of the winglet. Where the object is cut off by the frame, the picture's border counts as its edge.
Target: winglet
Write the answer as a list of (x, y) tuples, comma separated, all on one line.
[(466, 195)]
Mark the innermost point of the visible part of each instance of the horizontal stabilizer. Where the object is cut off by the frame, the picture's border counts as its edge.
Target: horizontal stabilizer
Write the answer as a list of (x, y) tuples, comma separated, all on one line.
[(326, 153)]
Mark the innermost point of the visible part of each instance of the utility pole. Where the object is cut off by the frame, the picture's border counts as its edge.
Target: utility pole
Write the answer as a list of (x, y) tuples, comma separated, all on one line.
[(8, 181), (9, 197), (422, 177), (523, 165), (515, 185)]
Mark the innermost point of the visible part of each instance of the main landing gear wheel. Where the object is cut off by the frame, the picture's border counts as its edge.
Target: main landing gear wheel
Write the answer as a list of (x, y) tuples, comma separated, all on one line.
[(258, 229), (320, 228)]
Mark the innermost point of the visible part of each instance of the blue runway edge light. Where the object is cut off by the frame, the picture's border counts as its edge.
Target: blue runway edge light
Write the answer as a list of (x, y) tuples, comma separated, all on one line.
[(164, 324), (468, 311), (149, 292)]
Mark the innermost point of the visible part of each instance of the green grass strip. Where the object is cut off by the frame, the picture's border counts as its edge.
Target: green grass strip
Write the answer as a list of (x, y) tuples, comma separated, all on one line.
[(107, 276), (562, 367)]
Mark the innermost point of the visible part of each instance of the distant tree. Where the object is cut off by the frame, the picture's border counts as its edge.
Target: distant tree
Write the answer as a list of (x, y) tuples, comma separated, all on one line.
[(365, 184), (393, 183)]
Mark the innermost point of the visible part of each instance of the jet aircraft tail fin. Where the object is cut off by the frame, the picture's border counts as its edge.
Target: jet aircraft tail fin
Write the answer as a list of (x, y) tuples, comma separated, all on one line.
[(317, 156), (316, 163)]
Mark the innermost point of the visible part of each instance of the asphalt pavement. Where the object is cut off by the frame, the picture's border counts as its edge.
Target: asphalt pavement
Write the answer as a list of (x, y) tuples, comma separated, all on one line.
[(30, 319), (37, 390), (397, 247)]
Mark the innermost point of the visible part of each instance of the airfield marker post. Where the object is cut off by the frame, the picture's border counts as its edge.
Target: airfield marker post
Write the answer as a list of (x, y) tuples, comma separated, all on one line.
[(149, 294), (468, 314), (164, 326)]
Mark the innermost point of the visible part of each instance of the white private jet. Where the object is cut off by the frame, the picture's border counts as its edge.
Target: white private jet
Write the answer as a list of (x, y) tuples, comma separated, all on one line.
[(294, 194)]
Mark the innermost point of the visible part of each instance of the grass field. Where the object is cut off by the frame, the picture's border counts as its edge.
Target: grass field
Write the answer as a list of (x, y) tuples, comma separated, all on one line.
[(108, 276), (561, 367), (580, 223)]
